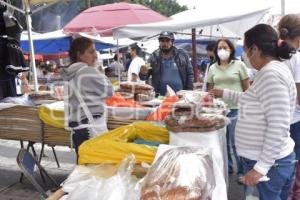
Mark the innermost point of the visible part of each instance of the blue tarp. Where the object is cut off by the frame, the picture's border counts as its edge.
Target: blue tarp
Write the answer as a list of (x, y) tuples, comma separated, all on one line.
[(56, 46)]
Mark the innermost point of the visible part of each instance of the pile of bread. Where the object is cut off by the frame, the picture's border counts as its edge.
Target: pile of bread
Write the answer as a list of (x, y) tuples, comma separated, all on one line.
[(42, 95), (180, 173), (196, 112), (141, 91)]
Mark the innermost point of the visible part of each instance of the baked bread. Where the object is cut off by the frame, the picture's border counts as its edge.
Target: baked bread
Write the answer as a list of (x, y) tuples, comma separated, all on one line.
[(42, 95), (135, 86), (183, 173), (202, 123), (144, 97)]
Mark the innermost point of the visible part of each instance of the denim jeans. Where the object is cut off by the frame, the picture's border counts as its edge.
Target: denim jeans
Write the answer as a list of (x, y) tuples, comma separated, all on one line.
[(295, 134), (230, 134), (295, 189), (280, 174)]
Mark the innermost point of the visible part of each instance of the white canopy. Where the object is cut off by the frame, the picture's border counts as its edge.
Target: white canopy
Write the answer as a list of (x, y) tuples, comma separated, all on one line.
[(234, 20)]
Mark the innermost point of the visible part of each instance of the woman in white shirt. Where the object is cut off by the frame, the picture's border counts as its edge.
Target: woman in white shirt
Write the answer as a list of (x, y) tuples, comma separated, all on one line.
[(289, 31), (265, 112)]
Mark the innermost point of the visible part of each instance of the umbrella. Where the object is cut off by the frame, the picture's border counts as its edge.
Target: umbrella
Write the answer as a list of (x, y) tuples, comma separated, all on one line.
[(102, 19)]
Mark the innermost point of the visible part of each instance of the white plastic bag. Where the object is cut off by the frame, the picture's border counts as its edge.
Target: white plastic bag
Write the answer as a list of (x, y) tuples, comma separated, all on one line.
[(121, 186)]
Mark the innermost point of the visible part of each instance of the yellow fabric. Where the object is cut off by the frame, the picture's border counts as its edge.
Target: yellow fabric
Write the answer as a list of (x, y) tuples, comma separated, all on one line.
[(52, 117), (115, 145)]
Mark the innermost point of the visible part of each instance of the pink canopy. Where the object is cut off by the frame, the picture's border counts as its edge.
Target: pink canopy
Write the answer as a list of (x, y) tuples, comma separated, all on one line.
[(102, 19)]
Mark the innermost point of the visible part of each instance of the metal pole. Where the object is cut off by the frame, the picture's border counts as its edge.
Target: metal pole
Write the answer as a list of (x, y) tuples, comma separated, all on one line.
[(282, 7), (31, 49), (119, 70), (194, 55)]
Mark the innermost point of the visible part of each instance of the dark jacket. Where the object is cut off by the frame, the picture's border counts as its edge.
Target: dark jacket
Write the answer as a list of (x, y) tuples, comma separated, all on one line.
[(183, 63)]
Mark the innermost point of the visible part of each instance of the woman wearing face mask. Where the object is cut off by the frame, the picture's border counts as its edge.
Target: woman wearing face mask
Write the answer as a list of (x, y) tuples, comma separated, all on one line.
[(289, 31), (266, 108), (229, 73), (85, 91)]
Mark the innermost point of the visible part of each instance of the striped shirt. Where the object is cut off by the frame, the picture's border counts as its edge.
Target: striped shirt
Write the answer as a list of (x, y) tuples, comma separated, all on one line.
[(266, 108)]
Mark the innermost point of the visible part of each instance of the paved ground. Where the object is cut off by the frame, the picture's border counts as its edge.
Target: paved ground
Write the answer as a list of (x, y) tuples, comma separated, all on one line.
[(11, 189)]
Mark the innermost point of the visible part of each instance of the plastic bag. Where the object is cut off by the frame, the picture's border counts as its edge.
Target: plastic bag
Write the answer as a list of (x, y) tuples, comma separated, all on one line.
[(53, 114), (129, 112), (163, 110), (117, 100), (180, 173), (113, 146), (21, 100), (118, 186)]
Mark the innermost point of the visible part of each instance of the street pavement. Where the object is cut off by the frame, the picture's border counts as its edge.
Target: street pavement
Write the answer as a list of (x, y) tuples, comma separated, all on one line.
[(12, 189)]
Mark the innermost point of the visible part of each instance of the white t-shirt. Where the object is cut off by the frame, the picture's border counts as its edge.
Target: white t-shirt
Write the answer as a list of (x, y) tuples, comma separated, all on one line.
[(294, 65), (134, 67)]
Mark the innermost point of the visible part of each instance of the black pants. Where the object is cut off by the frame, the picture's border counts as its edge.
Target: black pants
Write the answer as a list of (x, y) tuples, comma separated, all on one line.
[(79, 136)]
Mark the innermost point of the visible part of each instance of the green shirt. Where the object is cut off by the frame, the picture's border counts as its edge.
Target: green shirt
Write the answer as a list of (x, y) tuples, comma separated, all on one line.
[(229, 78)]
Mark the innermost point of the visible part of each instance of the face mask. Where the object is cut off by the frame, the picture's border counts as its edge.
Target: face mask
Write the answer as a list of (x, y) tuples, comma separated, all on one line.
[(223, 54), (246, 61)]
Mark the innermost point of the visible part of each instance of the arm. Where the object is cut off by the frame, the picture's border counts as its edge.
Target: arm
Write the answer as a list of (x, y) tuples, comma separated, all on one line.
[(275, 100), (244, 77), (24, 83), (298, 91), (245, 84)]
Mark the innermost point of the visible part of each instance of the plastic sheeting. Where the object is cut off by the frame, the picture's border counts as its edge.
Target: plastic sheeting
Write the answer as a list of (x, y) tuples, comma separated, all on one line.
[(115, 145), (180, 173), (216, 140)]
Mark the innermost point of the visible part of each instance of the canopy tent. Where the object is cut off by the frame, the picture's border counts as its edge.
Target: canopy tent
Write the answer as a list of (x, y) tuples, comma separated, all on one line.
[(190, 19), (55, 42), (102, 19)]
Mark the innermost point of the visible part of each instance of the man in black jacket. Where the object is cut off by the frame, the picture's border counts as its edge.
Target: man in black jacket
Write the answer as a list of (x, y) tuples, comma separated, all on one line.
[(169, 66)]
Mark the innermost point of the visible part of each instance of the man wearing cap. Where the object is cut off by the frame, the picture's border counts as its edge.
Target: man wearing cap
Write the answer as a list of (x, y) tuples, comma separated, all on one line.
[(169, 66)]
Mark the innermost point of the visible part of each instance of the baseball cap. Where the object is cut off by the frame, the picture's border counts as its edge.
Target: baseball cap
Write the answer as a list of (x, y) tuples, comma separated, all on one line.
[(166, 34)]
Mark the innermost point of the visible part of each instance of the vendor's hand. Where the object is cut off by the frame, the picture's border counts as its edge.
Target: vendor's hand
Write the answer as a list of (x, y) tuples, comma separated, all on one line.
[(216, 92), (25, 89), (251, 178), (144, 70)]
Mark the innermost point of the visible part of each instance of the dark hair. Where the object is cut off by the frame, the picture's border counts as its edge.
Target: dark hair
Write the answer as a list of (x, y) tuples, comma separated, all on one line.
[(78, 46), (136, 48), (211, 46), (267, 41), (116, 57), (231, 46), (289, 26)]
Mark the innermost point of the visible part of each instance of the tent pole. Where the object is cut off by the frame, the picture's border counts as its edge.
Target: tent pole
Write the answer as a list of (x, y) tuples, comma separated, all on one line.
[(31, 49), (119, 70), (194, 55)]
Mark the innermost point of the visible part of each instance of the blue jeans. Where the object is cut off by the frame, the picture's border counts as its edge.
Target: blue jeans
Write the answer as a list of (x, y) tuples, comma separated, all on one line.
[(280, 174), (230, 134), (295, 134)]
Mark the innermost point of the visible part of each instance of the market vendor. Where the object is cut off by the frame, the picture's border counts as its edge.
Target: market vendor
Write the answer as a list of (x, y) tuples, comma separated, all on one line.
[(84, 92), (169, 66)]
